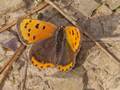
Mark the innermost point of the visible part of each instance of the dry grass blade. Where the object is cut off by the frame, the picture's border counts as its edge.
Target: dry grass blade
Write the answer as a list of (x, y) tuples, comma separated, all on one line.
[(6, 69), (8, 26), (34, 10), (71, 19), (7, 63)]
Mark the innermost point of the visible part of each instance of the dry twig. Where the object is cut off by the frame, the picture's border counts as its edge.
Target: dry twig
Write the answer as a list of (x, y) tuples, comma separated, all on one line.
[(8, 65)]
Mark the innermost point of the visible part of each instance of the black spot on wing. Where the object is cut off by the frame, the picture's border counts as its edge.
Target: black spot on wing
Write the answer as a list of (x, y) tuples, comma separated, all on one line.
[(26, 23), (30, 21), (48, 66), (29, 30), (34, 37), (28, 34), (66, 69), (32, 62), (36, 65), (69, 32), (77, 34), (70, 67), (25, 26), (37, 26), (72, 32), (43, 27), (59, 68), (41, 66), (75, 43), (75, 38)]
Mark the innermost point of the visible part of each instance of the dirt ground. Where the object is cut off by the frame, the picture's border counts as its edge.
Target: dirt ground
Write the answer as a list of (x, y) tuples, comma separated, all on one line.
[(94, 69)]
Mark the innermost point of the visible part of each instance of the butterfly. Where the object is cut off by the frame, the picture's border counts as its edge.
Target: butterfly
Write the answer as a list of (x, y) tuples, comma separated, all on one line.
[(52, 46)]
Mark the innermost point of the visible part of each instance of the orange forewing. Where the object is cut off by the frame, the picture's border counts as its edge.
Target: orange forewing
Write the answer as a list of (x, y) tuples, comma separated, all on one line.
[(31, 30)]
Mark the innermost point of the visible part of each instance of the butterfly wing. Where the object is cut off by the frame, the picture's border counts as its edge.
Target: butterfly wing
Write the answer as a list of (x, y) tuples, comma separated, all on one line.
[(42, 54), (56, 51), (73, 37), (70, 48), (31, 30)]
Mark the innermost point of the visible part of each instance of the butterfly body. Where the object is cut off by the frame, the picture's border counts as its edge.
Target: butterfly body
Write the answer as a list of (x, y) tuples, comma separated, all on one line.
[(54, 46)]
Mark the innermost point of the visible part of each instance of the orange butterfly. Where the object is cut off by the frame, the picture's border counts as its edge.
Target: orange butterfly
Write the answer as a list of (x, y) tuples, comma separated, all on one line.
[(52, 46)]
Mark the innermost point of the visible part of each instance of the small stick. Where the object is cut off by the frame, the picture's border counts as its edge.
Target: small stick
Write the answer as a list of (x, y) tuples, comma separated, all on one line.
[(23, 87), (8, 65), (72, 20), (34, 10), (8, 62)]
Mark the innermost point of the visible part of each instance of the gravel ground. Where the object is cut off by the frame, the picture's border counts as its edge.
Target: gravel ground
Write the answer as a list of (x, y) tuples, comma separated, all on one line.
[(94, 69)]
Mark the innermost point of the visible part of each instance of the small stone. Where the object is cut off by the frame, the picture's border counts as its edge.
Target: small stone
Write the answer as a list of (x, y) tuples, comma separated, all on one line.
[(6, 5), (86, 7), (1, 50), (113, 4), (103, 10), (118, 10), (11, 44), (2, 21)]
